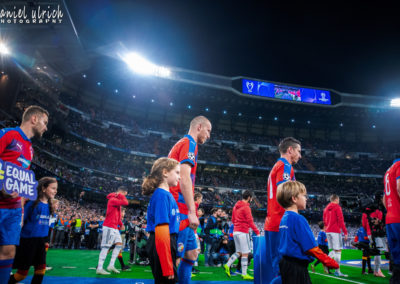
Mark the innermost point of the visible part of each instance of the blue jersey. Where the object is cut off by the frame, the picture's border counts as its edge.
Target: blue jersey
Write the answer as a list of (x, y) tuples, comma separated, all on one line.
[(162, 210), (322, 239), (230, 237), (100, 227), (362, 236), (296, 237), (36, 220)]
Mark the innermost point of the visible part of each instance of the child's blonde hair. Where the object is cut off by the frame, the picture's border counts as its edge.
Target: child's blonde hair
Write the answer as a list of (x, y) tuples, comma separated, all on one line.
[(287, 190)]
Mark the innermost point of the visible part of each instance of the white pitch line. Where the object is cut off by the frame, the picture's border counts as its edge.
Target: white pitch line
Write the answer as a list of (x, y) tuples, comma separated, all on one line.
[(339, 278)]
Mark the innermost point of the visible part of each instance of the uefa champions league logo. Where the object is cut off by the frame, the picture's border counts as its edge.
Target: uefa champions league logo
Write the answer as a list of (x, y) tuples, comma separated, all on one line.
[(323, 98), (250, 86)]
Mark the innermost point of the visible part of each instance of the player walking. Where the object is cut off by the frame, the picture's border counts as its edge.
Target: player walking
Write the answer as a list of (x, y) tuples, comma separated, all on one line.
[(242, 221), (334, 223), (16, 147), (185, 152), (392, 204), (290, 150), (111, 233)]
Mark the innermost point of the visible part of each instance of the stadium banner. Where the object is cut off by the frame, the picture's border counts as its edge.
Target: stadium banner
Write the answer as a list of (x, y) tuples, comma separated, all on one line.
[(17, 179), (261, 266)]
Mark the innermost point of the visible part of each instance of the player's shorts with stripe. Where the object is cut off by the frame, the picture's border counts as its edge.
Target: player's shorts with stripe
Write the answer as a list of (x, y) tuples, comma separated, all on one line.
[(31, 251), (110, 237), (10, 226), (186, 239), (335, 241), (242, 242)]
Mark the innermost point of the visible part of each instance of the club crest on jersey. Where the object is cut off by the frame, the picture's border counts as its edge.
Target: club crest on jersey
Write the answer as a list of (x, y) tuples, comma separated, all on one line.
[(286, 176), (180, 247), (191, 156)]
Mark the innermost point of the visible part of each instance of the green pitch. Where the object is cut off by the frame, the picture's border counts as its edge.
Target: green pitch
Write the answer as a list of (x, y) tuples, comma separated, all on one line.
[(82, 263)]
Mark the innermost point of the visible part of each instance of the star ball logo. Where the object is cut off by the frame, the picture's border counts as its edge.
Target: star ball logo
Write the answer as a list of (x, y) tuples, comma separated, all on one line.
[(49, 14)]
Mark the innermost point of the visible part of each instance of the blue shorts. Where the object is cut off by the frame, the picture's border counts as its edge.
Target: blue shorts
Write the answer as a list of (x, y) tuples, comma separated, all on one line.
[(393, 237), (186, 240), (10, 226)]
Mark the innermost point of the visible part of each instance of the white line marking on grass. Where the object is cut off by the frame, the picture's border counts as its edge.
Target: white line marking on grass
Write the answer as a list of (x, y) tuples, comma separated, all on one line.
[(92, 268), (68, 267), (339, 278), (201, 272)]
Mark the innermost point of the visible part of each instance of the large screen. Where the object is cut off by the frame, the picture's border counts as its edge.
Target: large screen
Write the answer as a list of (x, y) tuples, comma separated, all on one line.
[(282, 92)]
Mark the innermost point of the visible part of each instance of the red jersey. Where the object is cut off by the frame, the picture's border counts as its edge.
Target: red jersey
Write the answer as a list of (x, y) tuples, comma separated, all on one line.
[(281, 172), (15, 148), (184, 151), (333, 219), (242, 219), (392, 199), (113, 214)]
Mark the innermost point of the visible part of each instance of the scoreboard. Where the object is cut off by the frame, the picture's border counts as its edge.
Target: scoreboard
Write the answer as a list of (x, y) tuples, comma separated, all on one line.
[(283, 92)]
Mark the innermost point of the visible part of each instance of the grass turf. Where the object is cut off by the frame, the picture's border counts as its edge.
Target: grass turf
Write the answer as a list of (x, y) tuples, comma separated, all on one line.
[(82, 263)]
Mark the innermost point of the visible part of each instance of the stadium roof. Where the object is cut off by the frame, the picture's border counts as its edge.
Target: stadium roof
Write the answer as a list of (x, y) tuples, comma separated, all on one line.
[(351, 48)]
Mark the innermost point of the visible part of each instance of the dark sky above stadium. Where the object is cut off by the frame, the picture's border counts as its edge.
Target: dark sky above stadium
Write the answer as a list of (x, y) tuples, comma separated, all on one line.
[(351, 48)]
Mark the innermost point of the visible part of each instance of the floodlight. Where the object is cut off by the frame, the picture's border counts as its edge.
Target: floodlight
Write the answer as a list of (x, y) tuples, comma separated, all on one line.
[(4, 49), (395, 102), (142, 66)]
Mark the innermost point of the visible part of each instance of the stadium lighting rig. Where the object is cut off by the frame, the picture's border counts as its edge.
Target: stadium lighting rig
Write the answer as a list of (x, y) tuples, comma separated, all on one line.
[(395, 102), (142, 66)]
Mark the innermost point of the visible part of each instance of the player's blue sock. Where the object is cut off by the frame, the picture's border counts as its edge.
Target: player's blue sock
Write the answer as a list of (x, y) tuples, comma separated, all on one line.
[(5, 269), (185, 270)]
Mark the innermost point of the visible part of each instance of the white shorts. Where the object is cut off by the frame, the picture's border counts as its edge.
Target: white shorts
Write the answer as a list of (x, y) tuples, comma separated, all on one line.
[(335, 241), (110, 237), (380, 244), (242, 242)]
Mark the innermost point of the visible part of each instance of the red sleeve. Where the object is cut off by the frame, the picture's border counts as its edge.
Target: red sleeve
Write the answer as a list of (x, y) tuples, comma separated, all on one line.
[(280, 171), (341, 220), (249, 217), (184, 155), (365, 224), (4, 141), (325, 218), (356, 239), (233, 215), (322, 257), (118, 200), (163, 247)]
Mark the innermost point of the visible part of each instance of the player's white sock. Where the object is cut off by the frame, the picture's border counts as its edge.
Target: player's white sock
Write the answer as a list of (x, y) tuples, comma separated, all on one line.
[(102, 257), (244, 265), (114, 255), (377, 261), (338, 257), (232, 259), (332, 254)]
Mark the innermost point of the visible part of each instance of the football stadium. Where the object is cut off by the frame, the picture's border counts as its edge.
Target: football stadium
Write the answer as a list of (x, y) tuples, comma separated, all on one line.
[(204, 142)]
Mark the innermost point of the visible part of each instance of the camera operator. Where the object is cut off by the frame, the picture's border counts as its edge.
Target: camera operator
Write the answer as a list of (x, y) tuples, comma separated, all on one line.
[(372, 222), (220, 251), (212, 232), (132, 231)]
